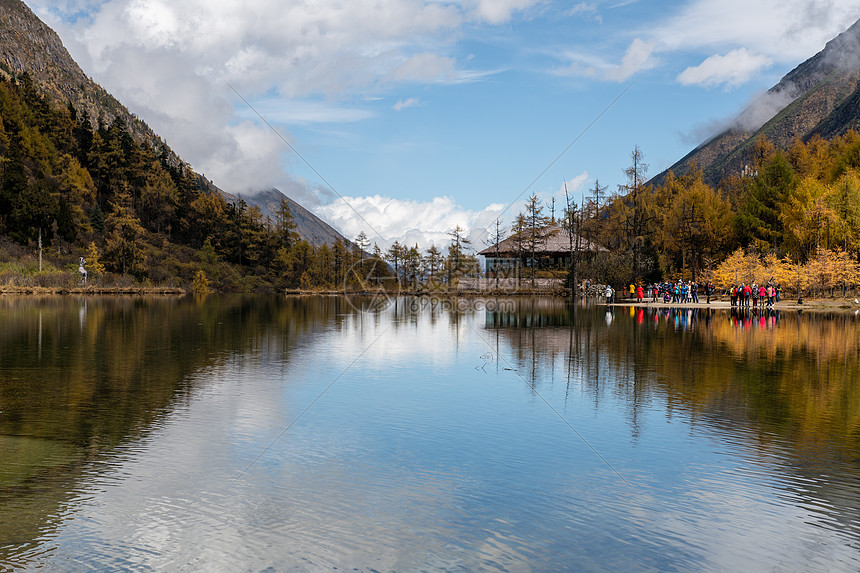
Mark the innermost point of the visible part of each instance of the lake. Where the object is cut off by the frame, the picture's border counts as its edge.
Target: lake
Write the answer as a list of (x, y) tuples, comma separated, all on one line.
[(255, 433)]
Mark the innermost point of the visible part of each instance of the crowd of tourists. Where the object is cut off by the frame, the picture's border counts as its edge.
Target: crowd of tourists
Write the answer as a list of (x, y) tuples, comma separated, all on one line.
[(685, 292), (746, 295), (681, 292)]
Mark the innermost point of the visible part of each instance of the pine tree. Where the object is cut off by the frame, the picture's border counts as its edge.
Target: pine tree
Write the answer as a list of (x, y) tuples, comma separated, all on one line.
[(285, 225), (758, 221), (124, 232)]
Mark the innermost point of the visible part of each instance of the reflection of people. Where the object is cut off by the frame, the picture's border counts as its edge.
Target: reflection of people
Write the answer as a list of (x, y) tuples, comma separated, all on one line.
[(82, 270)]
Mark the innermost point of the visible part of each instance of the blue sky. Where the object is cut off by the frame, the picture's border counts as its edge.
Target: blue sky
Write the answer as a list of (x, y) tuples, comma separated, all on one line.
[(418, 115)]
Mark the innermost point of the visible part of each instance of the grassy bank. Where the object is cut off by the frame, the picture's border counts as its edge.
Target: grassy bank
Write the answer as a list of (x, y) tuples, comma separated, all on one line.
[(92, 290)]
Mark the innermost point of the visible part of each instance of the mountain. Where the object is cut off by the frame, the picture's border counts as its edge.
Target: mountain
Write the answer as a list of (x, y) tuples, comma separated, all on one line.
[(28, 46), (821, 97), (309, 227)]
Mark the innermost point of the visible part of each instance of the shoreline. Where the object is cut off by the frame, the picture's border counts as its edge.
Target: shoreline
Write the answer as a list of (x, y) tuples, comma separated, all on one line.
[(840, 304), (92, 290), (808, 304), (843, 304)]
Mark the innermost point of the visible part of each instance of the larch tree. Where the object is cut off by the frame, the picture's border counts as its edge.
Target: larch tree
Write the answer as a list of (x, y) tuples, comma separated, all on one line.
[(362, 243), (536, 223), (635, 211), (456, 253), (433, 261)]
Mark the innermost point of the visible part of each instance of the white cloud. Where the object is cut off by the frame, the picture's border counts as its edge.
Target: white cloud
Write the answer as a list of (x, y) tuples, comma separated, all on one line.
[(407, 103), (782, 30), (498, 11), (425, 67), (573, 186), (581, 8), (638, 57), (154, 22), (749, 35), (762, 109), (585, 9), (256, 148), (385, 220), (292, 112), (733, 69)]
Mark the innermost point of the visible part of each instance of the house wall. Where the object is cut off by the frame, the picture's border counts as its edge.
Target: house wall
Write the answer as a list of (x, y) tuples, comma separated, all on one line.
[(509, 285), (552, 261)]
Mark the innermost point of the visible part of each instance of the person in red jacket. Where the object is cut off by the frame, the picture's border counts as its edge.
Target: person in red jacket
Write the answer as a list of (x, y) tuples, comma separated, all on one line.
[(640, 293)]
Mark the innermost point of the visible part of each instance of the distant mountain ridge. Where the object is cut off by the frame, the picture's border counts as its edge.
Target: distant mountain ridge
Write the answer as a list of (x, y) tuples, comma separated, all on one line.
[(821, 97), (310, 227), (28, 45)]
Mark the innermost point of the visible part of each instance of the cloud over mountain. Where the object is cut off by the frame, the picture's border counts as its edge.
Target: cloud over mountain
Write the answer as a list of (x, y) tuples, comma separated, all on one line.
[(385, 220)]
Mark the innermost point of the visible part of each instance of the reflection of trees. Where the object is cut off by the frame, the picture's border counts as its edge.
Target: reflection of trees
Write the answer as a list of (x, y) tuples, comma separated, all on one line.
[(765, 379), (798, 375), (79, 377), (802, 374)]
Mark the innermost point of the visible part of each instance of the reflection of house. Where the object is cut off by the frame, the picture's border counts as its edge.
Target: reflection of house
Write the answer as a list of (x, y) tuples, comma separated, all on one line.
[(551, 250)]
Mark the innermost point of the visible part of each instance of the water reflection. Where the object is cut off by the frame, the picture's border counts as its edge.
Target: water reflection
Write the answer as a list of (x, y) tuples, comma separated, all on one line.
[(246, 433), (783, 389), (80, 377), (802, 367)]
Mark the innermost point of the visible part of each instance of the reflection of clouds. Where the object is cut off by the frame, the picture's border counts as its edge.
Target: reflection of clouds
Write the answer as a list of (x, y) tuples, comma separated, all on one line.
[(408, 337), (314, 498), (745, 524), (415, 460), (311, 501)]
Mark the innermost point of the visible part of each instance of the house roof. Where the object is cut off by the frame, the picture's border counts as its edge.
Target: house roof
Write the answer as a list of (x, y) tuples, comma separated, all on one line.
[(555, 239)]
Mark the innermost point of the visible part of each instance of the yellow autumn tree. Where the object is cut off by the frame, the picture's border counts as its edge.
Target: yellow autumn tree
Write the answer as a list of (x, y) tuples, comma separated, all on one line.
[(94, 264), (832, 269), (796, 276), (779, 271), (847, 272), (729, 272), (200, 286), (807, 216)]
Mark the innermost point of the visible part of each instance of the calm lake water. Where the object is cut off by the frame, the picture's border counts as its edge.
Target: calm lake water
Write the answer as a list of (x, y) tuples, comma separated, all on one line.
[(311, 434)]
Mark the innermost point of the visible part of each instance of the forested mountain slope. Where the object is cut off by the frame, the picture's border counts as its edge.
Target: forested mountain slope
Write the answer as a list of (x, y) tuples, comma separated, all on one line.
[(818, 97), (82, 176), (28, 45)]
